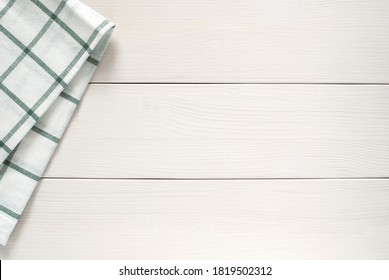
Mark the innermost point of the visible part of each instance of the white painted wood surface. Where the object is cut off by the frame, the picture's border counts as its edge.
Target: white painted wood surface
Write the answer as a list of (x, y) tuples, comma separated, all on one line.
[(227, 131), (320, 41), (190, 219)]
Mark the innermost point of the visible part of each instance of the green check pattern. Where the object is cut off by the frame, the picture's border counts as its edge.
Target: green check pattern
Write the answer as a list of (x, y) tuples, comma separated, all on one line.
[(49, 50)]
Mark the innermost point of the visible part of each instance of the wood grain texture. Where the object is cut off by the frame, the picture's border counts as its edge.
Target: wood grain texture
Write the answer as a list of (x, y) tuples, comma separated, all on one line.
[(227, 131), (311, 41), (187, 219)]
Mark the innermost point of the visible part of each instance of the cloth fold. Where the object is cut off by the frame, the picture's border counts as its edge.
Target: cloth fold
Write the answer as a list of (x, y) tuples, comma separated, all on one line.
[(49, 50)]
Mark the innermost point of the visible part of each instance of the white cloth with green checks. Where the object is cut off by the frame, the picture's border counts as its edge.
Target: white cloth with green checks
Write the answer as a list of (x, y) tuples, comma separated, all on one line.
[(49, 50)]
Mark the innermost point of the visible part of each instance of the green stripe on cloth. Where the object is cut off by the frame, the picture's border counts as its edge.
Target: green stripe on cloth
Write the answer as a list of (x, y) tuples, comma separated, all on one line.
[(83, 51), (22, 170), (6, 8), (33, 43), (29, 52), (16, 99), (45, 134), (5, 167), (25, 117), (5, 147), (83, 44), (93, 61), (9, 212), (69, 97)]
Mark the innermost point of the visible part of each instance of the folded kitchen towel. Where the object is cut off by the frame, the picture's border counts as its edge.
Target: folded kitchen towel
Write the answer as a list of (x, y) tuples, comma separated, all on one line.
[(49, 50)]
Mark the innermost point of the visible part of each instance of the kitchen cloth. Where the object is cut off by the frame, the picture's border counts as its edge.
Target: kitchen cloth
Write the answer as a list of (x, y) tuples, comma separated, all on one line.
[(49, 50)]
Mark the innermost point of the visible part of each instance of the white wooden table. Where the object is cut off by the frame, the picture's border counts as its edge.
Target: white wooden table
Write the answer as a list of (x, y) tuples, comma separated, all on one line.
[(235, 129)]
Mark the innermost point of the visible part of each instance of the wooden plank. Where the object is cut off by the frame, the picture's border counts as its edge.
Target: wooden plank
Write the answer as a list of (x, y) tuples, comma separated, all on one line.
[(322, 41), (186, 219), (227, 131)]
